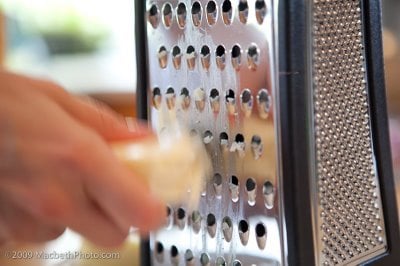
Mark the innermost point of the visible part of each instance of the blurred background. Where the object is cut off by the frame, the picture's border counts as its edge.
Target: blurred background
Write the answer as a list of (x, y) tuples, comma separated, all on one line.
[(88, 46)]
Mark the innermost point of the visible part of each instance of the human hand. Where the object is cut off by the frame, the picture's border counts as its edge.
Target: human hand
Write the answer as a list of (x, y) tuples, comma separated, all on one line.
[(57, 170)]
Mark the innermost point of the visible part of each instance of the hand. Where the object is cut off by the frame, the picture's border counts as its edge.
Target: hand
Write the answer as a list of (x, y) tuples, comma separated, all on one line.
[(57, 170)]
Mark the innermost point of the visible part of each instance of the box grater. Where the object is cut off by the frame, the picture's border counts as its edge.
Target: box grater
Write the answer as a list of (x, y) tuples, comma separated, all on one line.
[(288, 98)]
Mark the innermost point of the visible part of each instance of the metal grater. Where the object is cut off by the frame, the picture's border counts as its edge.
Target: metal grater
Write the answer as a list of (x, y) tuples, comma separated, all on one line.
[(282, 93)]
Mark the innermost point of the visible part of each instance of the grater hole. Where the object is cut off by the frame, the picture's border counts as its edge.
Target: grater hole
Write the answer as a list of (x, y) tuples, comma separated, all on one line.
[(268, 192), (214, 100), (189, 258), (170, 98), (181, 218), (234, 188), (227, 228), (212, 13), (157, 98), (230, 102), (181, 14), (236, 263), (176, 57), (261, 235), (243, 11), (256, 147), (159, 248), (196, 14), (204, 259), (162, 57), (261, 11), (220, 57), (169, 218), (251, 187), (207, 137), (220, 261), (227, 12), (174, 252), (253, 56), (246, 102), (191, 57), (243, 228), (217, 183), (211, 224), (264, 103), (196, 221), (185, 98), (153, 16), (223, 141), (199, 98), (239, 145), (167, 14), (205, 55), (236, 56)]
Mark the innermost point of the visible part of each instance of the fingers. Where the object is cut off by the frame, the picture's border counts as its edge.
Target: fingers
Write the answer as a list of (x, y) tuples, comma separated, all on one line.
[(94, 114), (120, 193)]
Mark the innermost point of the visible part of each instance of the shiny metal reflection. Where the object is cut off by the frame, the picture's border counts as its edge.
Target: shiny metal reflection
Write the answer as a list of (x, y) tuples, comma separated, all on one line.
[(211, 225), (154, 16), (269, 193), (220, 57), (159, 252), (244, 232), (196, 221), (196, 13), (230, 101), (224, 141), (236, 56), (236, 263), (181, 218), (176, 57), (167, 12), (214, 100), (181, 14), (184, 99), (199, 98), (257, 147), (253, 56), (227, 228), (205, 55), (217, 184), (246, 100), (170, 98), (204, 259), (261, 10), (220, 261), (191, 57), (234, 188), (243, 8), (162, 57), (157, 98), (251, 189), (174, 253), (227, 12), (207, 137), (189, 258), (212, 12), (264, 103), (261, 235)]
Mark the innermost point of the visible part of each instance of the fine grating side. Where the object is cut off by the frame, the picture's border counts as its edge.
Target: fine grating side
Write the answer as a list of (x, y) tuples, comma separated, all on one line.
[(350, 225)]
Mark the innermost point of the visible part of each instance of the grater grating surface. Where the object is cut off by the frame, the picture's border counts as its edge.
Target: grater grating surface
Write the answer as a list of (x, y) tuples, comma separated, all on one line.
[(211, 66), (350, 222)]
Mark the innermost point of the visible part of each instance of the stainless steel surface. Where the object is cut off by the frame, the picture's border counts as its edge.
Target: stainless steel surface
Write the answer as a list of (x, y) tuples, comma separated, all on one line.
[(349, 221), (224, 88)]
